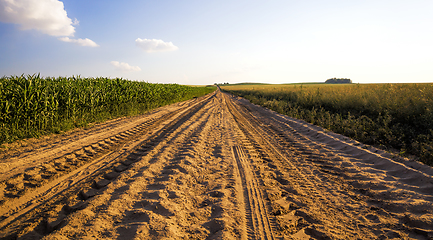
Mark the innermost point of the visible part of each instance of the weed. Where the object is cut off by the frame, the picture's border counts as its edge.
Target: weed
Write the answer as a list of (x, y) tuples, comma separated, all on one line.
[(398, 116)]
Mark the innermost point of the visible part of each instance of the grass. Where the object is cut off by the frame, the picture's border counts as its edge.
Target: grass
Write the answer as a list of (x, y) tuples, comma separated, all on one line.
[(391, 116), (31, 106)]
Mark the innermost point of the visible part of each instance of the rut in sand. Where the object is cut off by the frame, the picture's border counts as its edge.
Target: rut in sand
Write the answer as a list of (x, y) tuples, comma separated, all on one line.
[(216, 167)]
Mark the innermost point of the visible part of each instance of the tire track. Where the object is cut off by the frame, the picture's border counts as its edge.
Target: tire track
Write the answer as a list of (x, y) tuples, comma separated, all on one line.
[(148, 191), (55, 192), (258, 220), (320, 190), (18, 185), (280, 167)]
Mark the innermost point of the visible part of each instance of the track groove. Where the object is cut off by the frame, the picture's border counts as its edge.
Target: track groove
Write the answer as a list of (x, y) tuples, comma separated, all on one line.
[(256, 209)]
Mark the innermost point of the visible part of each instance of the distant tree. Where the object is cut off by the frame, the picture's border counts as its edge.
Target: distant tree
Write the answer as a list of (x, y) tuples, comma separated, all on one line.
[(338, 80)]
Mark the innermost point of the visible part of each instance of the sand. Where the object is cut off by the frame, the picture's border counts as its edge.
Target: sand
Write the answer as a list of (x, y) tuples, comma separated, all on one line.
[(215, 167)]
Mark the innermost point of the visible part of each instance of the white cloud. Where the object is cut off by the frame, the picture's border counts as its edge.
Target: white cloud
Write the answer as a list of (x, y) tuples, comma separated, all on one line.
[(155, 45), (82, 42), (124, 66), (76, 22), (47, 16)]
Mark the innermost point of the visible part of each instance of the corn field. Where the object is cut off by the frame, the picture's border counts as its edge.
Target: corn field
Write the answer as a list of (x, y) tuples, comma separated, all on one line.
[(31, 106)]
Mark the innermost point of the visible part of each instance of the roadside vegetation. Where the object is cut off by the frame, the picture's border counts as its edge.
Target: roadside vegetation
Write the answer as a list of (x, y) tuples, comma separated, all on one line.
[(390, 116), (31, 106)]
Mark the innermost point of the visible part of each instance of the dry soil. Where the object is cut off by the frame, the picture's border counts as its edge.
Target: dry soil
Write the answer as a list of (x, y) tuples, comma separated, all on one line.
[(215, 167)]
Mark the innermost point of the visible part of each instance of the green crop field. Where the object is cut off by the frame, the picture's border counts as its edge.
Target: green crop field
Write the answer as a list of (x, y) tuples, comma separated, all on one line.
[(31, 106), (391, 116)]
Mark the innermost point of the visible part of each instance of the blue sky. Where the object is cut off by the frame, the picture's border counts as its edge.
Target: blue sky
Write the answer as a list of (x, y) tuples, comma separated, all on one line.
[(204, 42)]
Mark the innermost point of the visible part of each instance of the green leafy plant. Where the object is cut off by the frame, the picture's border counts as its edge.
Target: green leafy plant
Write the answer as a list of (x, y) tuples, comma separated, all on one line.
[(398, 116), (31, 106)]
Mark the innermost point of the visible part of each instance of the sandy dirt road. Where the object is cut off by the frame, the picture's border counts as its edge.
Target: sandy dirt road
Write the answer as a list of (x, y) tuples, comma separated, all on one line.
[(215, 167)]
